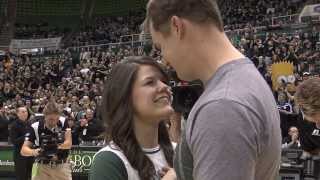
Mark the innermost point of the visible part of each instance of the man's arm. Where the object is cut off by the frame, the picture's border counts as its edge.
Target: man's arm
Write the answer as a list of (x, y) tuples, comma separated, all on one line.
[(224, 142), (27, 151), (68, 140)]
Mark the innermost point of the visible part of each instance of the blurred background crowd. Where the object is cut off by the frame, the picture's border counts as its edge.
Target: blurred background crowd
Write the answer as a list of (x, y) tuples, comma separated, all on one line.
[(268, 32)]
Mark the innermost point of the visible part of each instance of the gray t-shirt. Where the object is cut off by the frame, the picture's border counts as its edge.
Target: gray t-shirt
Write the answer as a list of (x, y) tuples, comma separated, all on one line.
[(233, 130)]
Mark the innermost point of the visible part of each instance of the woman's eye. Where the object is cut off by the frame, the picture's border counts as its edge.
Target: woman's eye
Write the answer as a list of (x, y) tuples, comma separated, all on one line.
[(150, 82), (165, 82)]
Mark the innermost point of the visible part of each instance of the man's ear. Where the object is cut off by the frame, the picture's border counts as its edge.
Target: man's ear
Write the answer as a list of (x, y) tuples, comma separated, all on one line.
[(177, 26)]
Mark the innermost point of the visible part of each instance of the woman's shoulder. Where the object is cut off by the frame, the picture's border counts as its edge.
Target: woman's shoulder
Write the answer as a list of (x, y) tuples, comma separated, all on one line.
[(107, 165), (106, 156)]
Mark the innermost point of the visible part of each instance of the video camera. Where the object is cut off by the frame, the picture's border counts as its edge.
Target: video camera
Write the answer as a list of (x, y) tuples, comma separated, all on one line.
[(184, 97), (50, 143), (296, 165), (185, 94)]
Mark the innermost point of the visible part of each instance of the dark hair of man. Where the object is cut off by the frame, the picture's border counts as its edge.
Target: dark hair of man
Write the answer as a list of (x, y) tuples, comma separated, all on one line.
[(117, 113), (159, 13), (308, 97)]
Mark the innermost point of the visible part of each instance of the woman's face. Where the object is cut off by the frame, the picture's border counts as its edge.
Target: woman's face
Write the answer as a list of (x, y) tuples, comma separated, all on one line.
[(151, 96)]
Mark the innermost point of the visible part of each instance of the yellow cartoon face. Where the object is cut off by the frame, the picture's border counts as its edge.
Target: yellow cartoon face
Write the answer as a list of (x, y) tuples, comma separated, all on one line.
[(282, 74), (287, 81)]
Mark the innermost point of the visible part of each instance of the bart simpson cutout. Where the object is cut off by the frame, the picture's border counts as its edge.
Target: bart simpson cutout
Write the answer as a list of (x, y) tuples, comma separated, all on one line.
[(282, 72)]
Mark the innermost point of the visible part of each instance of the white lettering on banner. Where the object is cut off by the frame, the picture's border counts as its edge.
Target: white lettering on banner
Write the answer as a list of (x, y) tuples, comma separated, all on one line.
[(17, 44), (86, 161), (77, 160), (6, 163), (81, 162)]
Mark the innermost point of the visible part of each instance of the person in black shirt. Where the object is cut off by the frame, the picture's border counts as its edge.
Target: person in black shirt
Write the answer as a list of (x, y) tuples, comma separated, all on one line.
[(23, 165), (308, 98), (4, 122), (87, 129), (52, 138)]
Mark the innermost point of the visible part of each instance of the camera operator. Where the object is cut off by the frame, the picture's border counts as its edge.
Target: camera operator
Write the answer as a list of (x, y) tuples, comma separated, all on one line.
[(308, 98), (88, 128), (22, 165), (52, 138)]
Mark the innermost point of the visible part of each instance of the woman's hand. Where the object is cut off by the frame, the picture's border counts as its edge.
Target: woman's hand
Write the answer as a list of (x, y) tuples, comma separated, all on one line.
[(168, 173)]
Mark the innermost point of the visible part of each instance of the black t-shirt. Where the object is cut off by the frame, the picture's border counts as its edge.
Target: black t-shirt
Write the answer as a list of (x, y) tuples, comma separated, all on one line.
[(288, 120), (4, 122), (17, 131), (309, 134), (90, 132), (44, 131)]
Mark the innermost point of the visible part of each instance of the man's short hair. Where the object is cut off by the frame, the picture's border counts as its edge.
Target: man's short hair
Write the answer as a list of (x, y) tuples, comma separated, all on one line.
[(51, 108), (159, 13), (308, 96)]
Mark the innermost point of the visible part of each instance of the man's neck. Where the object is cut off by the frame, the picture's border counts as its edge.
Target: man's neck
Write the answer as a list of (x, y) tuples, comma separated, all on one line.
[(213, 51)]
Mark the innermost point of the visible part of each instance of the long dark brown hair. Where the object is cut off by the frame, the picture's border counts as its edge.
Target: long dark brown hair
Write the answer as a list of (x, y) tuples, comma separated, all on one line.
[(117, 113)]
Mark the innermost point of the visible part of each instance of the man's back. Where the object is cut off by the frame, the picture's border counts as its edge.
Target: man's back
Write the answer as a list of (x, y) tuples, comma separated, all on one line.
[(233, 131)]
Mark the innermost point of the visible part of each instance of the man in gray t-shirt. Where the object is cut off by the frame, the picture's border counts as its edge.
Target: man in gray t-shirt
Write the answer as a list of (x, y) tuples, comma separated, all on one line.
[(233, 130)]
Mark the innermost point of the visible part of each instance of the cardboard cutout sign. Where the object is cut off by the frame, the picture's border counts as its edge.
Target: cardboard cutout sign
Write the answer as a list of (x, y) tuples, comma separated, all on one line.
[(282, 74)]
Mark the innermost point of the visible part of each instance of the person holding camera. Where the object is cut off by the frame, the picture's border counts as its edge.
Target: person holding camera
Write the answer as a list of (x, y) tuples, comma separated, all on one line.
[(22, 165), (49, 141)]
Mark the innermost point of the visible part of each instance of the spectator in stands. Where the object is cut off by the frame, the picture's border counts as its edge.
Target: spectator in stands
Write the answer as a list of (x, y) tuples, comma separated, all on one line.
[(237, 14), (104, 30), (292, 141), (38, 31), (135, 113), (19, 128), (4, 122), (88, 128), (283, 102)]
